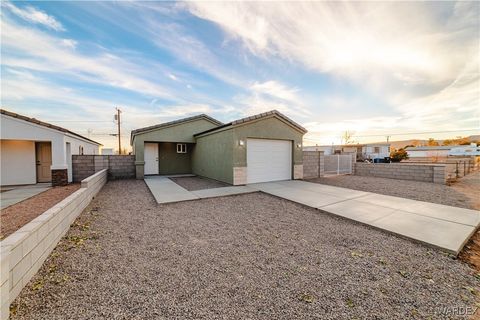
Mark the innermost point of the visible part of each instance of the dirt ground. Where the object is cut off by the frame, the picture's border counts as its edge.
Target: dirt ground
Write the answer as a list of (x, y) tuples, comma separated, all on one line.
[(416, 190), (251, 256), (470, 187), (16, 216), (464, 193), (198, 183)]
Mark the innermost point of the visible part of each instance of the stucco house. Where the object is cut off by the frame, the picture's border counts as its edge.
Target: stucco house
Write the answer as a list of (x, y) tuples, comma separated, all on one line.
[(264, 147), (33, 151), (362, 151)]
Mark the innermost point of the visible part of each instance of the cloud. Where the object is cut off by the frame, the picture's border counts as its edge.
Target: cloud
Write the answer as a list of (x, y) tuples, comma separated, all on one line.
[(34, 15), (271, 94), (69, 43), (348, 38), (35, 50), (417, 61)]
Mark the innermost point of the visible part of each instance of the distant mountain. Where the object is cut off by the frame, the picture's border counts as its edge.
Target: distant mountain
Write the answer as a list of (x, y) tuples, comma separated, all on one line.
[(402, 143)]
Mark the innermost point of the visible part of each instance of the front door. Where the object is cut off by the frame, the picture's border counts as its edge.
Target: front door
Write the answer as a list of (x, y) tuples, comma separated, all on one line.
[(44, 161), (151, 158)]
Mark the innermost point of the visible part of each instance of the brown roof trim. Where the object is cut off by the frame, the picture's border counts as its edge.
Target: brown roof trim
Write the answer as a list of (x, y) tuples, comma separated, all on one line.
[(175, 122), (44, 124), (255, 117)]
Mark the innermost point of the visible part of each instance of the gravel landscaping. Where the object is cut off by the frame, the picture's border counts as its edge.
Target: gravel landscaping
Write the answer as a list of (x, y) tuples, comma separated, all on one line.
[(250, 256), (198, 183), (416, 190), (16, 216)]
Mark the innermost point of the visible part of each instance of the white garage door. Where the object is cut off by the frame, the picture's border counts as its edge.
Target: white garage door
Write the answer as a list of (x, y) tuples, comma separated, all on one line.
[(268, 160)]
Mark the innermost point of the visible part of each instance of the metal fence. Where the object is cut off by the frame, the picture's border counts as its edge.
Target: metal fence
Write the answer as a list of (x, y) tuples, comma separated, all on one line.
[(338, 164)]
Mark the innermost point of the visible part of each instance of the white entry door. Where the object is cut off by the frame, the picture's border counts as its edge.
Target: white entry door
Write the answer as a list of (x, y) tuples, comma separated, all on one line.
[(151, 158), (268, 160)]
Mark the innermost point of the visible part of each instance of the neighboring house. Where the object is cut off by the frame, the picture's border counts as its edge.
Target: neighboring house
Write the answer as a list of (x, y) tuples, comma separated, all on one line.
[(443, 151), (107, 151), (428, 151), (264, 147), (362, 151), (35, 151), (468, 150)]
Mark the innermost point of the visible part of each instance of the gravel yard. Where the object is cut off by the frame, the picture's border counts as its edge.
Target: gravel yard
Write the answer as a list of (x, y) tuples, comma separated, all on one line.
[(249, 256), (198, 183), (416, 190), (19, 214)]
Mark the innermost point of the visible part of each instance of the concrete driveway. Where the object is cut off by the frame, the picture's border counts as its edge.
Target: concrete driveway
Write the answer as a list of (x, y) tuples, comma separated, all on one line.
[(441, 226), (445, 227)]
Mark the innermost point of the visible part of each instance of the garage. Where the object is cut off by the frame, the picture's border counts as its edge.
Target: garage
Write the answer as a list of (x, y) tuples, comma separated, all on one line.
[(268, 160)]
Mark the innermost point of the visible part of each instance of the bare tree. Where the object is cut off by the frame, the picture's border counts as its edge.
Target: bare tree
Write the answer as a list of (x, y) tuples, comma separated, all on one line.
[(347, 137)]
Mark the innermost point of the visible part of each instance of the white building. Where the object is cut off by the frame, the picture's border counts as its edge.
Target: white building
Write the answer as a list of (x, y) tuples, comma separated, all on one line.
[(107, 151), (429, 151), (443, 151), (33, 151), (362, 151)]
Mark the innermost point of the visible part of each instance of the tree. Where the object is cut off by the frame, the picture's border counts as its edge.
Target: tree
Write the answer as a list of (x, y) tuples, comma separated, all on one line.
[(347, 137), (432, 143), (398, 155)]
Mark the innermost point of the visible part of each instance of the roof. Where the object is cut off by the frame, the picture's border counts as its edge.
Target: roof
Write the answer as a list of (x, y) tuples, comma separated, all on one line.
[(256, 117), (174, 123), (428, 148), (45, 124)]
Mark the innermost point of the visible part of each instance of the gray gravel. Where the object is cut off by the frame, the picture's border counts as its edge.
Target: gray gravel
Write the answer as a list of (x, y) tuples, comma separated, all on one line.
[(416, 190), (249, 256), (198, 183)]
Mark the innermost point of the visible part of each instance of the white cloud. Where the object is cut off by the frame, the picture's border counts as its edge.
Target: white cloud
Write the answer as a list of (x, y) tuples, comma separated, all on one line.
[(34, 15), (268, 95), (420, 59), (349, 38), (69, 43), (36, 50), (173, 77)]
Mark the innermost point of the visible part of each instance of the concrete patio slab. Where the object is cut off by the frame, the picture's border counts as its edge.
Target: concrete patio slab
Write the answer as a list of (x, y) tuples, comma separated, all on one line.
[(445, 227), (223, 191), (17, 194), (165, 190)]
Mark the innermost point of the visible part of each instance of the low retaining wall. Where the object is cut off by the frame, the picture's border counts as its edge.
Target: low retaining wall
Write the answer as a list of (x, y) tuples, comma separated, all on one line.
[(313, 164), (435, 173), (119, 166), (23, 252)]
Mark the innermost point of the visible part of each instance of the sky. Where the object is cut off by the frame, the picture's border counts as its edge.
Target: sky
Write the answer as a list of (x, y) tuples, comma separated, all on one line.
[(375, 69)]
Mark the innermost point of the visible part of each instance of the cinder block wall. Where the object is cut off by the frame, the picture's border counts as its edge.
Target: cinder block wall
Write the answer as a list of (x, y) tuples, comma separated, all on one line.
[(313, 164), (24, 251), (435, 173), (119, 166)]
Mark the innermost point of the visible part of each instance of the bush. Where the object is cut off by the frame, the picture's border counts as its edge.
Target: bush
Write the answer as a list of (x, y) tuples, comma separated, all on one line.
[(398, 155)]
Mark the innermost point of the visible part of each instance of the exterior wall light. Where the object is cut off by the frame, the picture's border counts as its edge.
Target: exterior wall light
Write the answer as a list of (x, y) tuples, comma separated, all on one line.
[(299, 145), (241, 143)]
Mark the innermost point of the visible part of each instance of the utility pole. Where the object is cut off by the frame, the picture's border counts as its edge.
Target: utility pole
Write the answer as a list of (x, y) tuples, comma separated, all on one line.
[(388, 139), (117, 117)]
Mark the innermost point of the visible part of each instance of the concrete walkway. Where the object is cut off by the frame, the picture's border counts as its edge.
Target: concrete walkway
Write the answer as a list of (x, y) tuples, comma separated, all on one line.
[(165, 190), (15, 194), (442, 226)]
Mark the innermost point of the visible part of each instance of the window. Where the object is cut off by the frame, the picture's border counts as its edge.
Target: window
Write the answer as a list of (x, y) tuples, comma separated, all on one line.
[(181, 148), (376, 150)]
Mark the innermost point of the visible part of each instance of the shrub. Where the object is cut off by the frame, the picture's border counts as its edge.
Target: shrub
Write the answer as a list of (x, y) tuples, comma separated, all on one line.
[(398, 155)]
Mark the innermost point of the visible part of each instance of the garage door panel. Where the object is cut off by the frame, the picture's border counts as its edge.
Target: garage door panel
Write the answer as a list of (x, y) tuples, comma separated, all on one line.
[(268, 160)]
